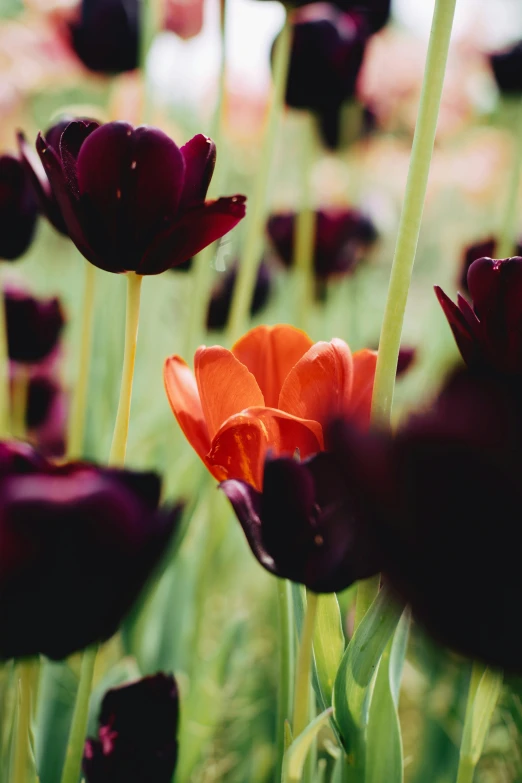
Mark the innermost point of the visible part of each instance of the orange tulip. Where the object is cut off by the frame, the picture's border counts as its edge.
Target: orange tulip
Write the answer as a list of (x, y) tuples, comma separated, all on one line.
[(275, 390)]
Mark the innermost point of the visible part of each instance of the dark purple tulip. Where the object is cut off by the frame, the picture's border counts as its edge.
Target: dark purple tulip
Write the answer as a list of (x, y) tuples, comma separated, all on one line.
[(78, 544), (301, 526), (442, 499), (132, 199), (406, 359), (507, 69), (221, 298), (489, 334), (34, 326), (39, 181), (486, 248), (375, 12), (46, 415), (106, 36), (18, 209), (341, 236), (137, 735), (327, 53)]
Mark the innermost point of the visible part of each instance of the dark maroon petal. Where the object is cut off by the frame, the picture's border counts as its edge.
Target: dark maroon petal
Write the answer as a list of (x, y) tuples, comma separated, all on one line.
[(462, 332), (40, 184), (507, 69), (246, 502), (33, 325), (483, 249), (18, 208), (106, 36), (70, 141), (221, 298), (197, 228), (41, 395), (66, 200), (18, 458), (200, 158), (406, 359)]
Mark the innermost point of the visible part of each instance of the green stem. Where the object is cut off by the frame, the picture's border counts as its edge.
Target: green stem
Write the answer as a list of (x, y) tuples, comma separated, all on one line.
[(256, 215), (484, 690), (121, 428), (411, 216), (286, 667), (76, 423), (4, 369), (23, 726), (304, 667), (511, 213), (303, 262), (73, 758), (20, 391)]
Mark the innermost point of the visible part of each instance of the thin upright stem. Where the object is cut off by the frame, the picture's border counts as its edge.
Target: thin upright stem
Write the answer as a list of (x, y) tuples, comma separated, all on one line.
[(304, 666), (4, 368), (24, 676), (73, 758), (510, 214), (76, 424), (409, 226), (121, 428), (256, 214), (286, 667), (20, 393)]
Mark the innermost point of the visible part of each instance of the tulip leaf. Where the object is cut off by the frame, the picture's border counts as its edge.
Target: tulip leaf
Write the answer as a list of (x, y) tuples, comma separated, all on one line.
[(296, 754), (56, 699), (477, 722), (351, 693), (328, 644), (384, 741)]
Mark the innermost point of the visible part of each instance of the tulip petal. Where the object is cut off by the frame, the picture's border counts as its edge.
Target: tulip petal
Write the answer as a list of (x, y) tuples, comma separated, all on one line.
[(364, 364), (200, 158), (225, 386), (459, 326), (70, 141), (197, 228), (270, 352), (183, 396), (239, 448), (320, 384)]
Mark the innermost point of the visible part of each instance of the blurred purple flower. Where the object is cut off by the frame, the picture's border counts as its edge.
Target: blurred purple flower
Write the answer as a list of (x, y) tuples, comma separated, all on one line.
[(137, 734), (133, 200), (34, 326), (106, 36), (221, 297), (507, 69), (18, 209), (78, 544), (485, 248)]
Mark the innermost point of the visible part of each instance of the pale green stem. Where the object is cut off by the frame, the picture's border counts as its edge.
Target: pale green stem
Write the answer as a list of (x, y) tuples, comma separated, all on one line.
[(24, 678), (408, 234), (256, 213), (411, 216), (121, 428), (4, 369), (76, 423), (286, 667), (20, 390), (301, 715), (73, 758), (484, 690), (304, 244), (510, 217)]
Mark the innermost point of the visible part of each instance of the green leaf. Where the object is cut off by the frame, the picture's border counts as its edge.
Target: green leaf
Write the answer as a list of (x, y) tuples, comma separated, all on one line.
[(384, 740), (296, 754), (358, 666), (477, 724), (328, 644), (56, 698)]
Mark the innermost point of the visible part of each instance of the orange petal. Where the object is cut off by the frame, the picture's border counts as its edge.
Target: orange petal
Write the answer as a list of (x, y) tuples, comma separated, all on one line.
[(182, 392), (270, 352), (364, 363), (225, 386), (239, 448), (320, 384)]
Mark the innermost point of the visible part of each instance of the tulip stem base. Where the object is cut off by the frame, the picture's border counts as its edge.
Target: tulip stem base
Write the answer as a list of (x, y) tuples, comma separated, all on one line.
[(508, 239), (76, 423), (304, 666), (286, 667), (4, 368), (256, 216), (74, 756), (24, 681), (121, 428), (410, 221)]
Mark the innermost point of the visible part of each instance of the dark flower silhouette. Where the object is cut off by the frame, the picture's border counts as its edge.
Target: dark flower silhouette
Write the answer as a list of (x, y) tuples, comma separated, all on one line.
[(137, 734), (442, 501), (507, 69), (221, 298), (134, 201), (106, 36), (485, 248), (301, 525), (18, 209), (33, 325), (59, 526), (489, 334), (341, 237)]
